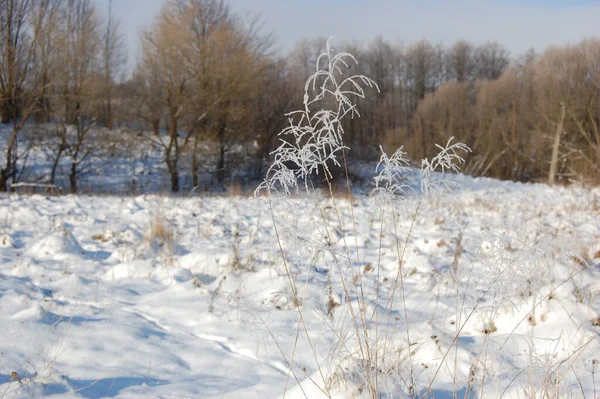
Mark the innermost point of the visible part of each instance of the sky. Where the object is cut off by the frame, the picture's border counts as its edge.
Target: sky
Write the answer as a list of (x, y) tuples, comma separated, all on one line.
[(517, 25)]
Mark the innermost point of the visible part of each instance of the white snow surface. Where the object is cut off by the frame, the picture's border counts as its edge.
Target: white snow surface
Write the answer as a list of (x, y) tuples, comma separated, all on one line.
[(94, 304)]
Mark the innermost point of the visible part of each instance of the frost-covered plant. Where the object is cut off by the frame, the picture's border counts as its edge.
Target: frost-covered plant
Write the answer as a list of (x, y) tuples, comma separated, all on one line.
[(519, 266), (385, 362), (388, 182), (448, 159), (314, 137), (391, 169), (312, 142)]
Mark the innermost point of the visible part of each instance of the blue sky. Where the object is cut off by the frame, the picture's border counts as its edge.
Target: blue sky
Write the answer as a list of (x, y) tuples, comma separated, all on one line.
[(518, 25)]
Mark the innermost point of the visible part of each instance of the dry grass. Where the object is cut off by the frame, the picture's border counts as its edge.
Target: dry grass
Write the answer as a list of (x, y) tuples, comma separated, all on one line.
[(340, 190), (237, 263), (101, 237), (160, 234), (235, 189), (30, 189)]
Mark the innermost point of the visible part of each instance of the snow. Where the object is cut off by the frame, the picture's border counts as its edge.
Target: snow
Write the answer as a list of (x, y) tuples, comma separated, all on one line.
[(122, 162), (94, 303)]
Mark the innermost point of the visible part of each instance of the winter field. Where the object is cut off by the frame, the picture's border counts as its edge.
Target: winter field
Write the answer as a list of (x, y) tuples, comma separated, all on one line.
[(167, 297), (437, 286)]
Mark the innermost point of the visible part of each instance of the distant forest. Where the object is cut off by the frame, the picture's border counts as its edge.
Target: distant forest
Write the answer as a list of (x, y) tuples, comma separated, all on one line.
[(207, 75)]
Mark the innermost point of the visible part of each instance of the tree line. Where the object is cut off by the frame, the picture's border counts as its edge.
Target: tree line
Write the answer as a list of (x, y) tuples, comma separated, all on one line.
[(206, 75)]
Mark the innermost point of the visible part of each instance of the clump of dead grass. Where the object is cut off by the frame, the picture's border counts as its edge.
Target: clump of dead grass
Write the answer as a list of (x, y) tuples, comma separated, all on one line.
[(235, 189), (161, 234)]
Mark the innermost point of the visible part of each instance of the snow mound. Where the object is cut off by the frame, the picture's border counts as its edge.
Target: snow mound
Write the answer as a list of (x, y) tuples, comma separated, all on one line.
[(35, 313), (57, 246), (142, 269), (205, 262)]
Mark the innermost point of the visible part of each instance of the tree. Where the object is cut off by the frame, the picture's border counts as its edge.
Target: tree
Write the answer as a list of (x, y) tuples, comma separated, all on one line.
[(275, 97), (423, 75), (460, 63), (380, 61), (46, 21), (20, 91), (16, 48), (114, 58), (79, 84), (200, 62), (492, 60), (162, 70)]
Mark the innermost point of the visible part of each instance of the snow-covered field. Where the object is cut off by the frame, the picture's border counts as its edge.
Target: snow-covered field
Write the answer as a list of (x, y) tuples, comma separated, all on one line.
[(151, 296)]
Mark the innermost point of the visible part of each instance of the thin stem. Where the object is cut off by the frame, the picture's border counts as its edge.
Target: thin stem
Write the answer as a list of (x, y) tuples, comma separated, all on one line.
[(400, 278), (296, 301)]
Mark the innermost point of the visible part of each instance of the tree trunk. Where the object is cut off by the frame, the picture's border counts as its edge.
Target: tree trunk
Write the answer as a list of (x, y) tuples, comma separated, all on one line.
[(109, 118), (554, 160), (195, 180), (61, 148), (156, 127), (221, 161), (4, 176), (14, 159), (174, 180), (8, 171), (172, 151), (4, 112), (10, 111), (73, 177), (42, 115)]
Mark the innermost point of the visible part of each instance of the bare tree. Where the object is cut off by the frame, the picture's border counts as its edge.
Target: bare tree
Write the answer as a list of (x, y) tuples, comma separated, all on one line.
[(423, 75), (200, 62), (423, 69), (114, 59), (460, 61), (144, 98), (492, 60), (303, 58), (46, 28), (17, 101), (163, 71), (16, 48), (274, 99), (78, 87)]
